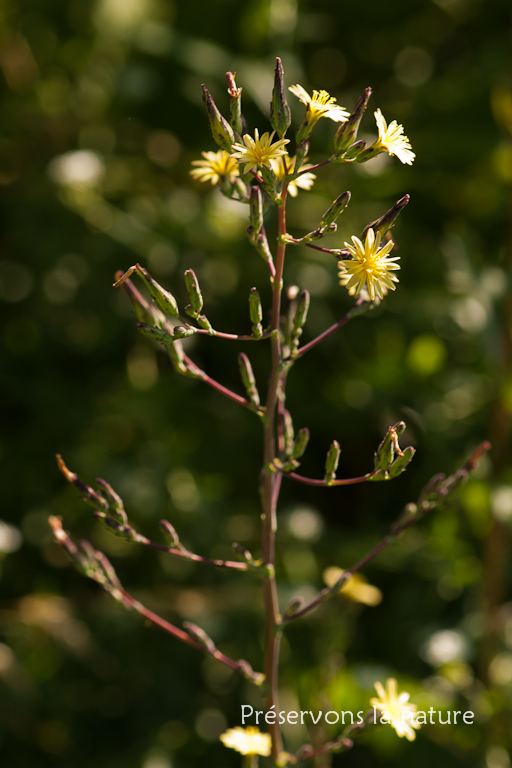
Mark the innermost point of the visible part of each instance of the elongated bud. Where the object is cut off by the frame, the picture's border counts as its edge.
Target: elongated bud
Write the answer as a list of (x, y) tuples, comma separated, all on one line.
[(194, 294), (157, 334), (115, 502), (235, 104), (255, 210), (347, 132), (248, 379), (301, 153), (163, 299), (293, 606), (382, 225), (89, 495), (177, 357), (301, 443), (144, 311), (255, 312), (200, 635), (401, 462), (334, 211), (180, 332), (221, 130), (331, 462), (355, 152), (170, 534), (280, 113), (301, 314)]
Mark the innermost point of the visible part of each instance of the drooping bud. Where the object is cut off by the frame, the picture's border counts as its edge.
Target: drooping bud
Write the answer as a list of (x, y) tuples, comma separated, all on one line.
[(157, 334), (382, 225), (334, 210), (235, 104), (301, 443), (221, 130), (248, 379), (194, 294), (280, 113), (347, 132), (331, 462)]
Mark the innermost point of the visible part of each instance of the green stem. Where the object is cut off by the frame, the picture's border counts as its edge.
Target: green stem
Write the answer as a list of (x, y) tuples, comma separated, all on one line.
[(271, 483)]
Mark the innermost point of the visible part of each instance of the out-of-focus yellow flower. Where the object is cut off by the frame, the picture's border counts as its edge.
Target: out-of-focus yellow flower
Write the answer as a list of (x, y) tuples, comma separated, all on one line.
[(305, 181), (257, 152), (396, 709), (371, 267), (247, 741), (392, 139), (320, 104), (215, 166), (356, 588)]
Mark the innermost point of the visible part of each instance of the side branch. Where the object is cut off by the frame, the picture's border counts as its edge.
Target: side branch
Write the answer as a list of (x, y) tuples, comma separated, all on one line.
[(437, 493), (324, 483), (96, 566), (358, 306)]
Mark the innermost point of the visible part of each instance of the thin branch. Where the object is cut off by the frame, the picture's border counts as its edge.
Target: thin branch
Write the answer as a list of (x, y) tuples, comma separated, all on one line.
[(200, 374), (336, 326), (184, 554), (323, 483)]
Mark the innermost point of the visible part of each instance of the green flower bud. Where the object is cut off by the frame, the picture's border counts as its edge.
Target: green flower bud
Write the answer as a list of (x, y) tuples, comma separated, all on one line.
[(221, 130), (255, 210), (382, 225), (400, 463), (115, 502), (163, 299), (347, 132), (176, 355), (194, 294), (248, 379), (243, 553), (170, 535), (334, 211), (301, 443), (280, 113), (255, 312), (200, 635), (331, 462), (301, 153), (157, 334), (235, 105)]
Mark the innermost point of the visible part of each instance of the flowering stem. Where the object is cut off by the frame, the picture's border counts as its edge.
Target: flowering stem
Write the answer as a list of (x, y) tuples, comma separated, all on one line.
[(271, 483), (323, 483), (311, 168), (184, 554)]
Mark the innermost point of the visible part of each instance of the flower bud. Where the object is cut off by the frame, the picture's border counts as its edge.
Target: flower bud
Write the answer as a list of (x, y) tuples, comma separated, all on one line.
[(221, 130), (200, 636), (334, 211), (235, 104), (300, 318), (243, 553), (177, 357), (157, 334), (288, 433), (280, 113), (170, 534), (382, 225), (255, 209), (255, 312), (385, 453), (163, 299), (248, 379), (400, 463), (301, 443), (331, 462), (347, 132), (301, 152), (194, 294)]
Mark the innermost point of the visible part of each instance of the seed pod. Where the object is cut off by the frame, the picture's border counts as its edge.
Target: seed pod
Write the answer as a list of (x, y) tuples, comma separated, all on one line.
[(334, 211), (221, 130), (194, 294)]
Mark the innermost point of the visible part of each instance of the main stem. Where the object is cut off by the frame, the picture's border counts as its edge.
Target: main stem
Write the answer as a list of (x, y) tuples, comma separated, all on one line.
[(271, 483)]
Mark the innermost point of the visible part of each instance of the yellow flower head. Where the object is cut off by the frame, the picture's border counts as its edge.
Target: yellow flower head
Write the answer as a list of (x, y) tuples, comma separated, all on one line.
[(215, 166), (392, 139), (257, 152), (369, 268), (320, 104), (247, 741), (305, 181), (399, 712), (356, 588)]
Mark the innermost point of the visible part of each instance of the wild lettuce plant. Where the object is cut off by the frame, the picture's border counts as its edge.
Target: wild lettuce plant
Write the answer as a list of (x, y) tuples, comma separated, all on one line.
[(258, 171)]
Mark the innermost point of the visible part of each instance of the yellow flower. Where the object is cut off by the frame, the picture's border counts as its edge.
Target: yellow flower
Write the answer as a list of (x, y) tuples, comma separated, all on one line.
[(370, 267), (396, 709), (392, 139), (356, 588), (305, 181), (247, 741), (320, 104), (256, 152), (215, 166)]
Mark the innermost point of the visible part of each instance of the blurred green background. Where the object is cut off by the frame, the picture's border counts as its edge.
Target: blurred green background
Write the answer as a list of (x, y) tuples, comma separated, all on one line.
[(116, 83)]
